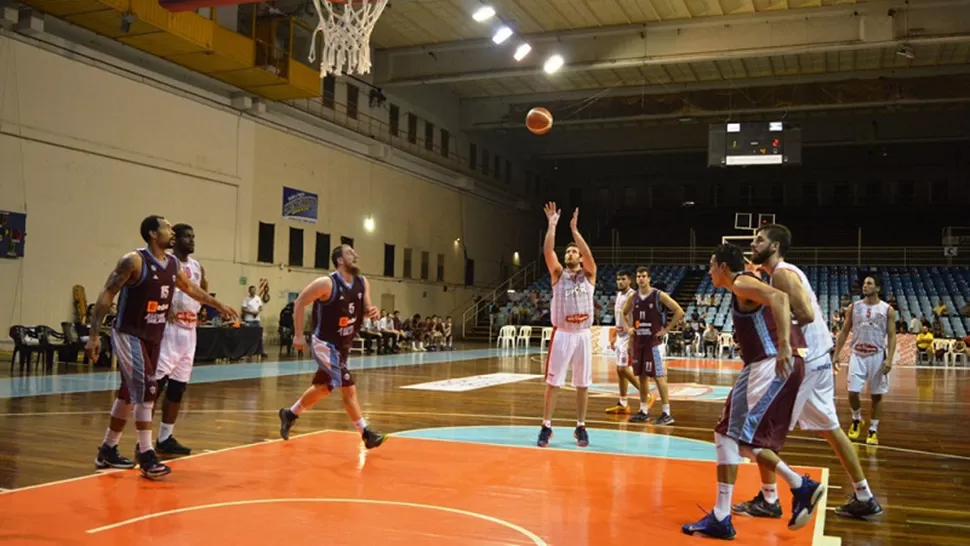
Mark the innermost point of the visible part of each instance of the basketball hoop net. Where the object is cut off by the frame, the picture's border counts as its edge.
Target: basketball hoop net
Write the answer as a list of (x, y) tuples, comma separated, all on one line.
[(346, 26)]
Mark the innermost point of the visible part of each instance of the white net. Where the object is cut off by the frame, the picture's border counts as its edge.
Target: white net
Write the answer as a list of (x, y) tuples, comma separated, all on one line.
[(346, 28)]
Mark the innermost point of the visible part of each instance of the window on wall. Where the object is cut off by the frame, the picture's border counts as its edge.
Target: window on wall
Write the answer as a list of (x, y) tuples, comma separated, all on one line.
[(498, 167), (353, 96), (472, 156), (445, 142), (428, 135), (321, 255), (424, 265), (412, 128), (810, 194), (407, 263), (906, 191), (388, 260), (486, 159), (296, 247), (469, 272), (349, 241), (329, 91), (940, 192), (264, 247), (441, 268), (874, 191), (395, 119), (508, 171)]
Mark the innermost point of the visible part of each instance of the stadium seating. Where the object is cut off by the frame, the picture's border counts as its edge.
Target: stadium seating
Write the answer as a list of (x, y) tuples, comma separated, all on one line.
[(916, 289)]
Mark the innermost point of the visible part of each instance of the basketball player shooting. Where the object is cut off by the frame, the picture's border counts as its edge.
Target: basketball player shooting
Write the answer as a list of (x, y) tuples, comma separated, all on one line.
[(648, 328), (758, 412), (815, 405), (147, 279), (340, 301), (571, 345), (177, 354), (871, 359), (620, 344)]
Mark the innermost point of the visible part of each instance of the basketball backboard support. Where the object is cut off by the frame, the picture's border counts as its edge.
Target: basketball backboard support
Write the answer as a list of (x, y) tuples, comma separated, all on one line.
[(743, 221)]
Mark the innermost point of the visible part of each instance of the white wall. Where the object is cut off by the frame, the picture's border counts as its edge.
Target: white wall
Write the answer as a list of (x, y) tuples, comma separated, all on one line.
[(88, 153)]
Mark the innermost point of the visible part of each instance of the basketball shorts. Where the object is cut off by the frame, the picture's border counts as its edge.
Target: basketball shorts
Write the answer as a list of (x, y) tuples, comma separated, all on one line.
[(648, 361), (622, 348), (177, 353), (137, 359), (570, 349), (332, 368), (758, 412), (815, 405), (863, 368)]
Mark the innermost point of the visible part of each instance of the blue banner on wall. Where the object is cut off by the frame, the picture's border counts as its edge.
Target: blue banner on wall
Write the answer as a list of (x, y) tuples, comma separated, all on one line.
[(13, 234), (299, 205)]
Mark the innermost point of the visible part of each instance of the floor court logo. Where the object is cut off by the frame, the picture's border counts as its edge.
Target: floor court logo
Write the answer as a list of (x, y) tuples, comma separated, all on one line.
[(678, 391)]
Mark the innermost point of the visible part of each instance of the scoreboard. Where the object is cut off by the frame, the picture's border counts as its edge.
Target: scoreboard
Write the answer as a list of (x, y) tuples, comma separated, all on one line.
[(753, 143)]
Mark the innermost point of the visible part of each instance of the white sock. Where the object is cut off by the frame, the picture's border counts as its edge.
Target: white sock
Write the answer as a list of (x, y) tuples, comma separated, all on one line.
[(111, 438), (666, 409), (623, 401), (165, 431), (145, 441), (792, 477), (874, 425), (770, 492), (857, 415), (361, 424), (722, 508), (297, 408), (547, 424), (580, 423), (643, 406), (862, 491)]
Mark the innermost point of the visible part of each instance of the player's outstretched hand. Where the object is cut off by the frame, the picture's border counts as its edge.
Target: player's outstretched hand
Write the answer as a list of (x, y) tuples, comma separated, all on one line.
[(227, 312), (575, 221), (552, 213), (372, 312)]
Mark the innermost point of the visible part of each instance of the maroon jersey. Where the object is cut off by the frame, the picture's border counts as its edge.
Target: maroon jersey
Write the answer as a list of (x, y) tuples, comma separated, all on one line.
[(339, 318), (756, 334), (649, 317), (143, 306)]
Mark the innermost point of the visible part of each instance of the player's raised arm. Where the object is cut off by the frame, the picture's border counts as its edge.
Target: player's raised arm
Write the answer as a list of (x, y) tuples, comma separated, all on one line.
[(549, 245), (198, 294), (589, 264)]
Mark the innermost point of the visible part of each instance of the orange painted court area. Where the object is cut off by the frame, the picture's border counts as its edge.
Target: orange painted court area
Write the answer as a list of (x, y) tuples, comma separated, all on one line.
[(324, 488)]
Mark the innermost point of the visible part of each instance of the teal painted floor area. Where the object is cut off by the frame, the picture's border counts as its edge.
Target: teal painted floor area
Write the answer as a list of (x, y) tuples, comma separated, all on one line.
[(601, 440), (40, 385)]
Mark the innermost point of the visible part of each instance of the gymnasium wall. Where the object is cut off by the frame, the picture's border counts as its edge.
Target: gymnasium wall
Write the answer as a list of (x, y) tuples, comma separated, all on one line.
[(88, 153)]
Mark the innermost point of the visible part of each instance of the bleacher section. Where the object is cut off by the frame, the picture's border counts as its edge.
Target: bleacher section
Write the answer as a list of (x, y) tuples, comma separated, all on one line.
[(917, 291)]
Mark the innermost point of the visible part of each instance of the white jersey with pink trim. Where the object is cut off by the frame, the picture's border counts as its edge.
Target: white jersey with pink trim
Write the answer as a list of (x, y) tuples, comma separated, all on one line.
[(572, 301), (185, 308), (621, 299), (870, 326), (817, 336)]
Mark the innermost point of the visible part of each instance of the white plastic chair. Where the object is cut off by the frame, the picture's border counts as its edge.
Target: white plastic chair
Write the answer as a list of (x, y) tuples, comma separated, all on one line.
[(546, 337), (955, 356), (525, 336), (506, 337), (944, 345)]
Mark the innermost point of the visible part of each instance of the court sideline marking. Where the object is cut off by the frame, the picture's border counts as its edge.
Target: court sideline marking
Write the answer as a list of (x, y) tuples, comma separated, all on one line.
[(487, 416)]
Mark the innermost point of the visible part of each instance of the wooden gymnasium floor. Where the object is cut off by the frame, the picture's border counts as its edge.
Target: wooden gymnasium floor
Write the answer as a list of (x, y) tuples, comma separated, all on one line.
[(461, 467)]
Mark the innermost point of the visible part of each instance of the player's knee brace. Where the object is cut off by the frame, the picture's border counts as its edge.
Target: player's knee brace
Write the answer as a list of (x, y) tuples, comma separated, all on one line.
[(121, 410), (728, 451), (175, 391), (143, 412)]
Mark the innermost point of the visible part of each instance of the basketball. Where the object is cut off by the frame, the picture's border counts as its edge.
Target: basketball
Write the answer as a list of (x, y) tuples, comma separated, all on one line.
[(539, 121)]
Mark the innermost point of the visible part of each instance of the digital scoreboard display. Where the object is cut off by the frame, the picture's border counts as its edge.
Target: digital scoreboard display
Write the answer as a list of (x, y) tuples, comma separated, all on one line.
[(741, 144)]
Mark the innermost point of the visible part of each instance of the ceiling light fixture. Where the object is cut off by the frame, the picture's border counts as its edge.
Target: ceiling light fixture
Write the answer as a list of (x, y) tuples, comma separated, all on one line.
[(483, 14), (502, 34), (553, 64), (522, 51)]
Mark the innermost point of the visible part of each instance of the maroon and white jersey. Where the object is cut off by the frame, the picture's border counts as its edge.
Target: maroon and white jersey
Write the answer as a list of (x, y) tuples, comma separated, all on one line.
[(572, 301), (341, 317), (649, 317), (143, 307), (756, 334)]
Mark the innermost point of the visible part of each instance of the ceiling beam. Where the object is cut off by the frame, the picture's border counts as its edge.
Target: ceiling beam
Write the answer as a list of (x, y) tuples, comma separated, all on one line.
[(686, 43)]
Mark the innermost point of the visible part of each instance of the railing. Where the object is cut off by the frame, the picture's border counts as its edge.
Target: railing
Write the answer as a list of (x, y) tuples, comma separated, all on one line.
[(875, 255), (522, 279)]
